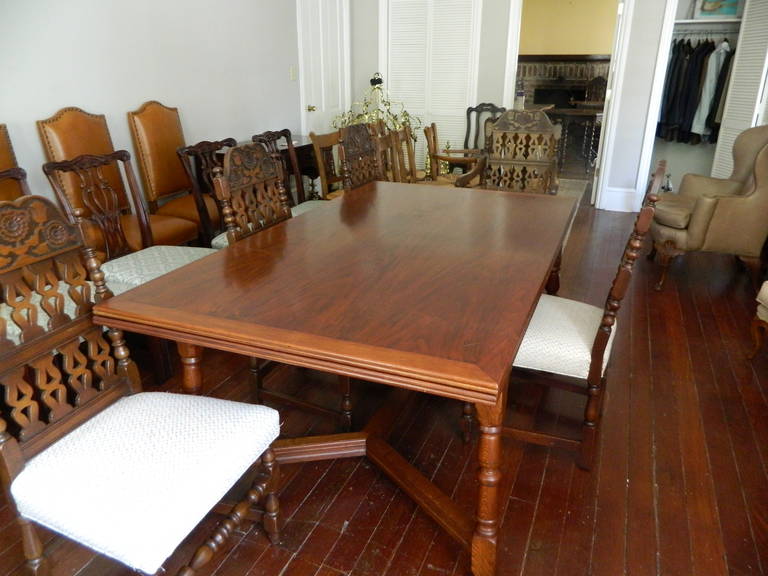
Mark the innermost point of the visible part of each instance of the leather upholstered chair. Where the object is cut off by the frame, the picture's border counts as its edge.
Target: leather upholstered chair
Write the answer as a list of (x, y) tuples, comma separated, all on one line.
[(124, 243), (726, 216), (271, 141), (361, 156), (250, 189), (11, 187), (84, 452), (760, 321), (521, 154), (70, 133), (568, 344), (157, 134), (325, 147)]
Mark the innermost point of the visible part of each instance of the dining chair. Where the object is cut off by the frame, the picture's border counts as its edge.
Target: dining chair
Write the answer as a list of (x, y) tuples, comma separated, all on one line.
[(250, 189), (326, 147), (405, 155), (272, 142), (16, 176), (760, 321), (440, 159), (362, 153), (11, 187), (72, 132), (84, 452), (568, 344), (199, 160), (157, 134)]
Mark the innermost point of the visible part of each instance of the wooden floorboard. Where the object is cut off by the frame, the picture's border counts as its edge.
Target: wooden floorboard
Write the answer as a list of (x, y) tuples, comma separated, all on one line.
[(680, 484)]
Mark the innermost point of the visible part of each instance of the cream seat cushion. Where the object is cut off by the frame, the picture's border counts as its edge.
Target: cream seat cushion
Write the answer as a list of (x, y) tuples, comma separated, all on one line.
[(135, 480), (559, 337), (762, 302), (140, 267)]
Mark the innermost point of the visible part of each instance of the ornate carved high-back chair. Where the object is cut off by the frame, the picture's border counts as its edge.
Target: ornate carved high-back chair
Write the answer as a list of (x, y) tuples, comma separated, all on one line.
[(360, 156), (157, 134), (476, 123), (271, 141), (199, 161), (521, 155), (325, 147), (71, 133), (11, 187), (250, 190), (77, 434)]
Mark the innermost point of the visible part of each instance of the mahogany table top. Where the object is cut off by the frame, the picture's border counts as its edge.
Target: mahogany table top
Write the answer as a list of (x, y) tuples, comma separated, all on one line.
[(418, 286)]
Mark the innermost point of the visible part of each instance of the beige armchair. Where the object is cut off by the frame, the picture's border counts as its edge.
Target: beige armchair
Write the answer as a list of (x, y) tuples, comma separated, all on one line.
[(727, 216)]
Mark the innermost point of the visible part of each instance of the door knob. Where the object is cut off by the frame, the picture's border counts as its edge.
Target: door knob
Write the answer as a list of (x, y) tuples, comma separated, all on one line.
[(311, 108)]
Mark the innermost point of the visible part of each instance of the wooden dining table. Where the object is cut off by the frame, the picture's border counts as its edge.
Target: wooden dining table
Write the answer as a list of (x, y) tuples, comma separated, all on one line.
[(422, 288)]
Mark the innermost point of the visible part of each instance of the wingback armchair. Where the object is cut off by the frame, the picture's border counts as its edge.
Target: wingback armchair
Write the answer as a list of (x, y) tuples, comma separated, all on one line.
[(726, 216)]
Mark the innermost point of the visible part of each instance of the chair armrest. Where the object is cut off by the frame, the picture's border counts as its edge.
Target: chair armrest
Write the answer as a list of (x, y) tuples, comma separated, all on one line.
[(475, 151), (696, 185), (466, 160), (701, 217), (477, 171)]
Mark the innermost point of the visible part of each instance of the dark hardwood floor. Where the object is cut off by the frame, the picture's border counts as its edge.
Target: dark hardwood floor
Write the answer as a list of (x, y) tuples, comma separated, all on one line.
[(679, 486)]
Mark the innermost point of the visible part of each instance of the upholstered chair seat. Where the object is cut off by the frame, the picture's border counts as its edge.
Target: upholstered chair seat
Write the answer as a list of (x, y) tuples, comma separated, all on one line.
[(560, 336), (135, 480), (140, 267), (762, 302), (186, 208), (172, 230)]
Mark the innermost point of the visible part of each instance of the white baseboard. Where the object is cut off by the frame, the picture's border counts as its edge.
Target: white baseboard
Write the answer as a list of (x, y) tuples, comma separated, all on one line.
[(620, 199)]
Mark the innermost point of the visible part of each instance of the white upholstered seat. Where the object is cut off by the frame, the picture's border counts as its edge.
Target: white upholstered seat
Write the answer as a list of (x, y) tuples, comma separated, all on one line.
[(134, 481), (559, 338), (762, 302), (140, 267)]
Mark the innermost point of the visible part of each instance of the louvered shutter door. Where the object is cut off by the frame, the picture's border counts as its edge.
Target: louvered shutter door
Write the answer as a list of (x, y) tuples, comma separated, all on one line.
[(746, 84), (432, 63)]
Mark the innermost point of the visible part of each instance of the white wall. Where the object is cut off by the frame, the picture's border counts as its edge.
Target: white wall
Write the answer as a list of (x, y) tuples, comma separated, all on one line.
[(224, 65)]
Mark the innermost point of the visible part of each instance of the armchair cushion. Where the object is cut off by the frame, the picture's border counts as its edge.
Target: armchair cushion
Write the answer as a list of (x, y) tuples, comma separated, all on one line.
[(140, 267), (674, 210), (559, 338), (133, 481)]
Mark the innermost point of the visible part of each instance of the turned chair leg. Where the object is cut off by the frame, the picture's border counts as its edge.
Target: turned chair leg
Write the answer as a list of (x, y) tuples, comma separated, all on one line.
[(346, 402), (33, 549), (256, 379), (466, 421), (664, 263), (759, 329)]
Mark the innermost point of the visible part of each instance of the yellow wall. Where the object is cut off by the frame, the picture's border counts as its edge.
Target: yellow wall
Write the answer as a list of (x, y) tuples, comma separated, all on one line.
[(567, 26)]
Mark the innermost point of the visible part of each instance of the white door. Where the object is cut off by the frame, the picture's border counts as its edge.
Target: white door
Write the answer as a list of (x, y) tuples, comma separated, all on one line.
[(324, 63)]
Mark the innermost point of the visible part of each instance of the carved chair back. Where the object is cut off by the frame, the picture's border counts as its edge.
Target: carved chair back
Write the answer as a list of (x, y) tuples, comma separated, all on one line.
[(157, 134), (271, 141), (70, 133), (325, 146), (360, 156), (402, 141), (250, 190), (11, 187), (56, 367), (522, 153), (476, 123), (101, 215), (17, 177)]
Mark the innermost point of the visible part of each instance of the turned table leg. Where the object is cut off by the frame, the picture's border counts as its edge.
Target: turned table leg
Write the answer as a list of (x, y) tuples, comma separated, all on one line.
[(484, 540), (192, 375)]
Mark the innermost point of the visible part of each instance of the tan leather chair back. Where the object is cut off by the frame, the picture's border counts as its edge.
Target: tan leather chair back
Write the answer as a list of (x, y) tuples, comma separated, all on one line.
[(157, 134), (745, 150), (10, 189), (70, 133)]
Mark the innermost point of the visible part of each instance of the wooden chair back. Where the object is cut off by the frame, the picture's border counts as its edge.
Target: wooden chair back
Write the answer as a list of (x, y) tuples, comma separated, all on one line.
[(476, 116), (522, 153), (596, 89), (157, 134), (623, 276), (250, 190), (290, 161), (17, 177), (360, 156), (402, 141), (10, 186), (101, 216), (56, 367), (324, 146), (70, 133)]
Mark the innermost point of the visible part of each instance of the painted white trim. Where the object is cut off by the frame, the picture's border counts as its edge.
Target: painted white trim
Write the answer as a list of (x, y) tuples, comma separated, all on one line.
[(657, 92), (384, 39), (619, 199), (613, 97), (347, 53), (513, 52), (474, 71), (302, 78)]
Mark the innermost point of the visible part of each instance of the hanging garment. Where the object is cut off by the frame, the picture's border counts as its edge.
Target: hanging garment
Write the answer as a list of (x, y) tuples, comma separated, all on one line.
[(692, 89), (709, 87), (716, 108)]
